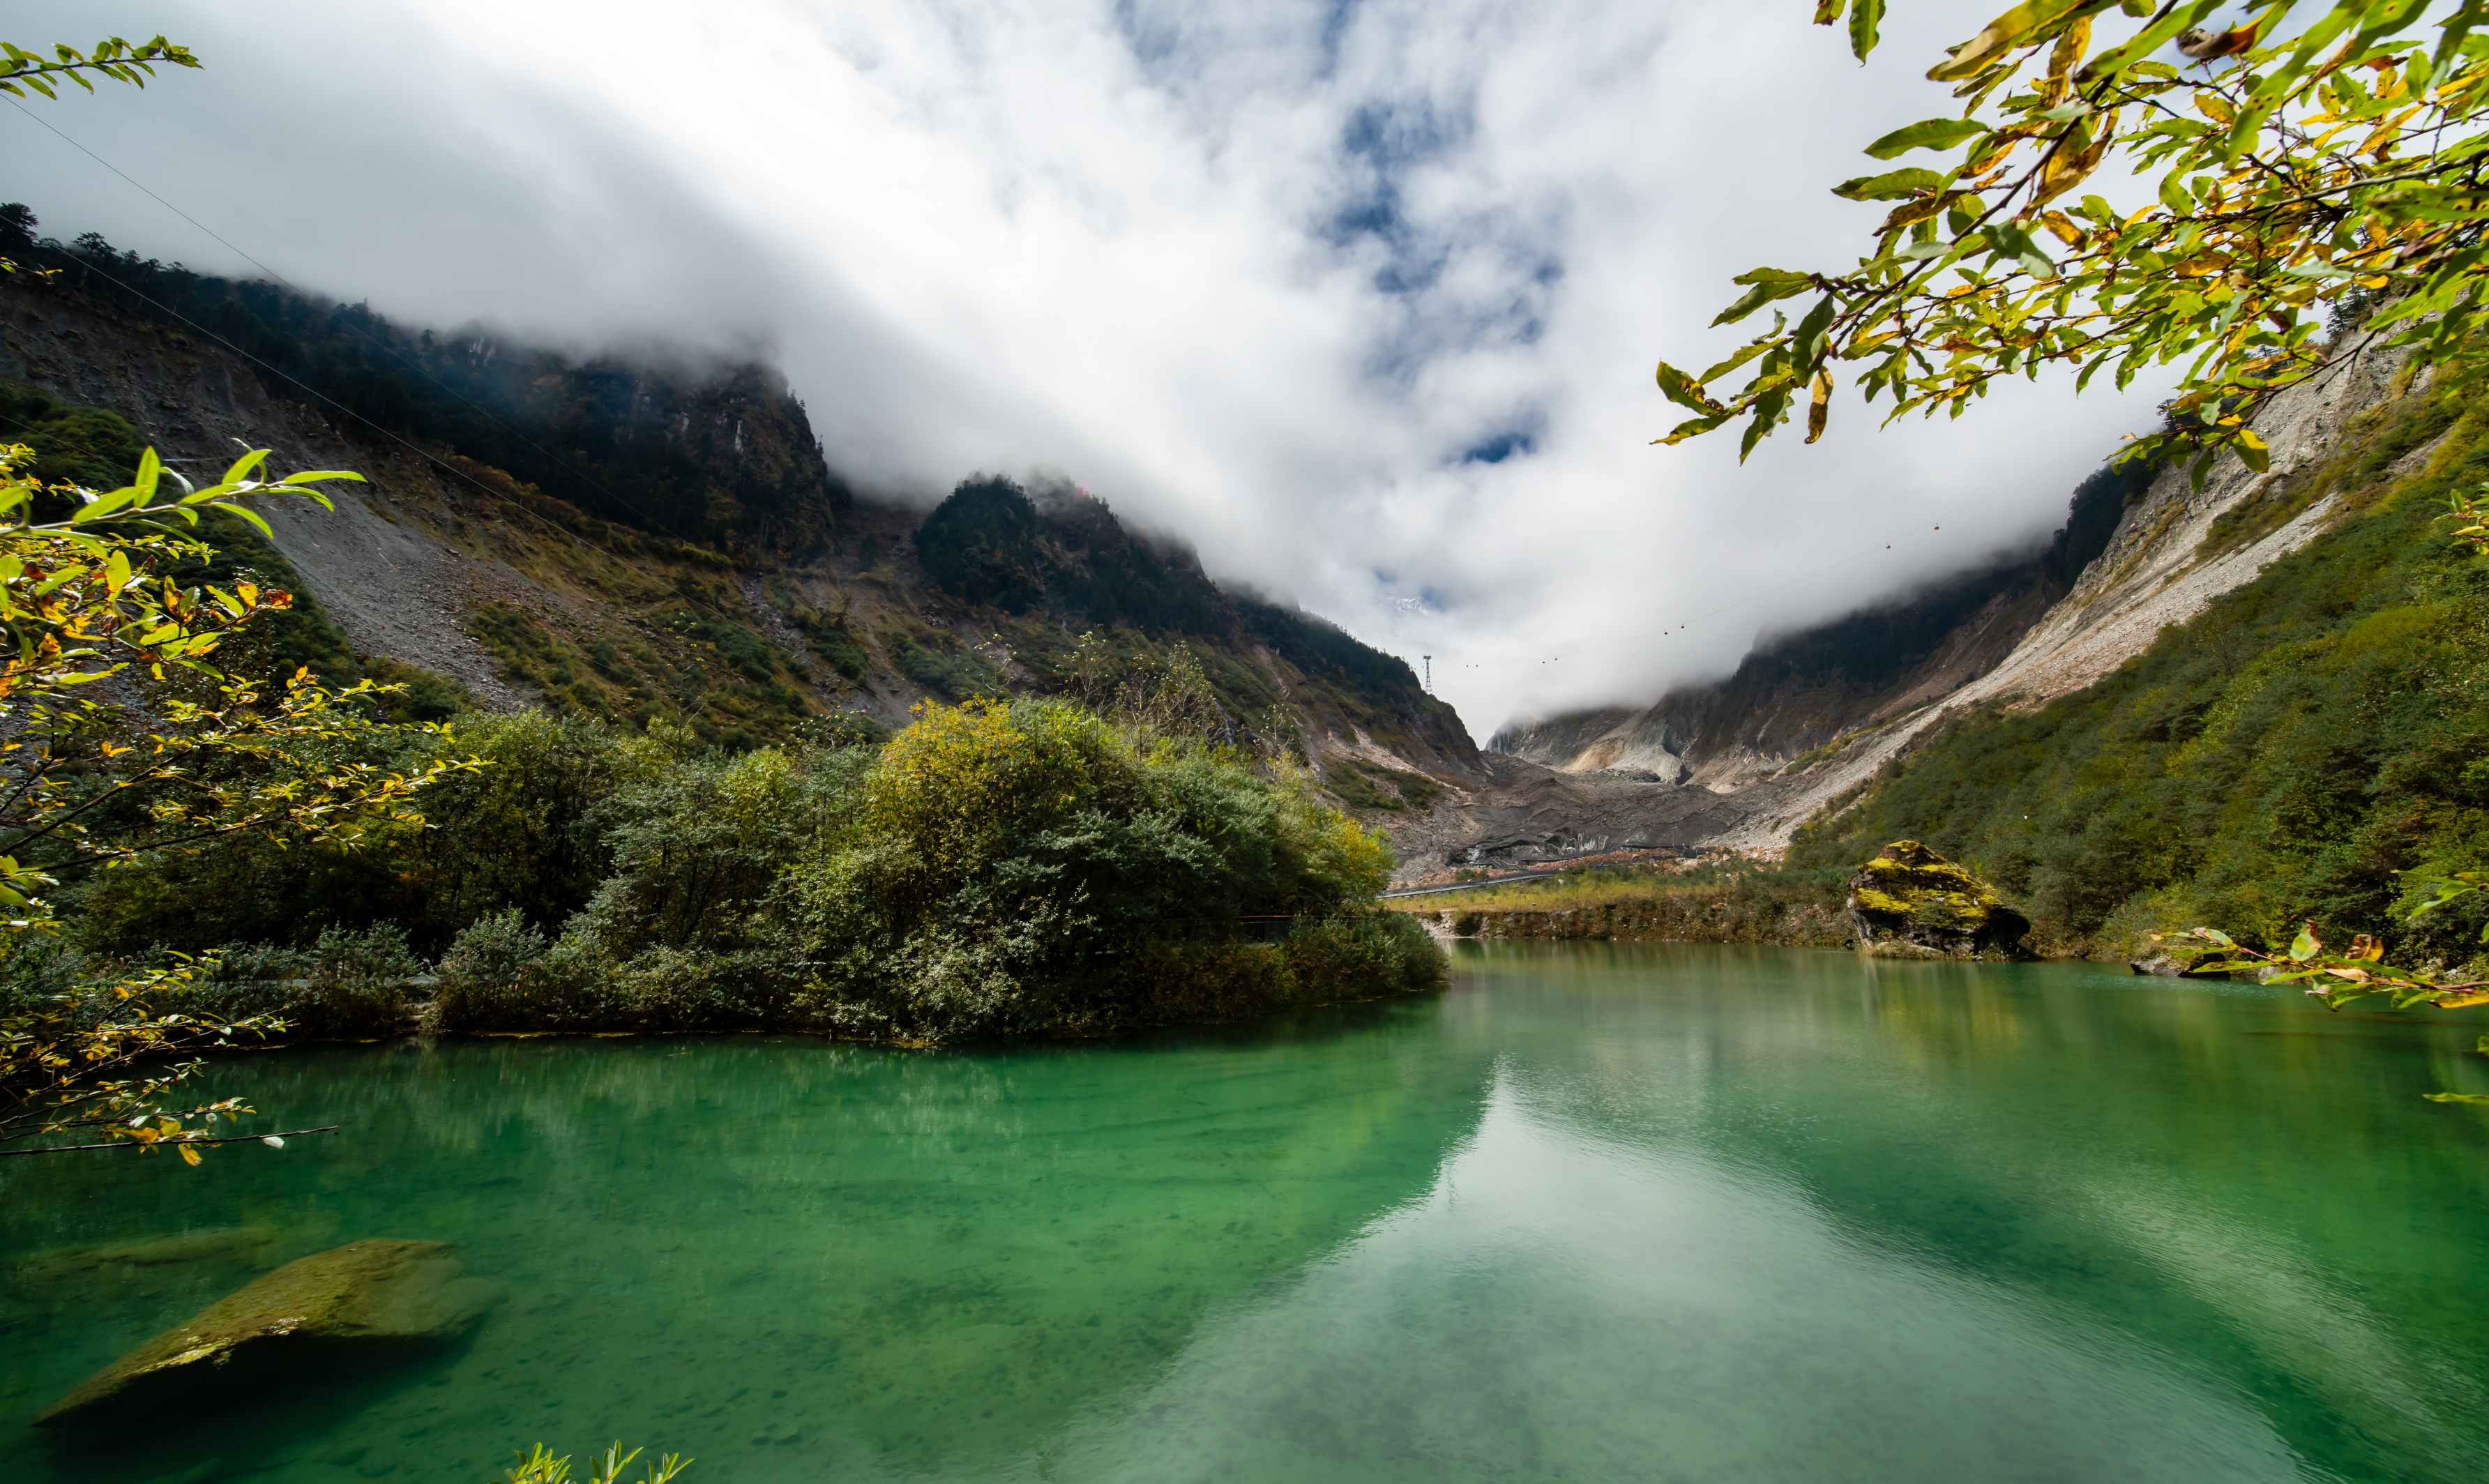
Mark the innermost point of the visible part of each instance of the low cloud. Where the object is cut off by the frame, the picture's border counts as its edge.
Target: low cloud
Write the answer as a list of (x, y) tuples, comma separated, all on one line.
[(1361, 300)]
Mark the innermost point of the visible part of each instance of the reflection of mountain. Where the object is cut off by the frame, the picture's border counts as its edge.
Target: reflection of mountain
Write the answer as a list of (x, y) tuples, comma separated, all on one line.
[(1567, 1307), (2139, 1163)]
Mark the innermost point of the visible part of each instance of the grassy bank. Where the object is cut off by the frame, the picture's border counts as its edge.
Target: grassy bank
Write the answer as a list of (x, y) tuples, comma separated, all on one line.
[(1705, 904)]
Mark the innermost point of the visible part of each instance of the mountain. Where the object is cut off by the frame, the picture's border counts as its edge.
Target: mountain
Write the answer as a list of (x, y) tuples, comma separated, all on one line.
[(2258, 704), (1812, 721), (1798, 692), (645, 539)]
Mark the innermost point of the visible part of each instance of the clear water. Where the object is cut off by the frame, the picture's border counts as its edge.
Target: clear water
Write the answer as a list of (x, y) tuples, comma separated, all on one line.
[(1594, 1213)]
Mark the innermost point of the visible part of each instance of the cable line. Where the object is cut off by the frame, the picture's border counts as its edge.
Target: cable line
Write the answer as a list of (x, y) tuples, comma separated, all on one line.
[(368, 338)]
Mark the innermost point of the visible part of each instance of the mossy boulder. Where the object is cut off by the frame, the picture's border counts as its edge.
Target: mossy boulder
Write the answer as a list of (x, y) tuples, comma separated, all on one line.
[(1911, 902), (365, 1301)]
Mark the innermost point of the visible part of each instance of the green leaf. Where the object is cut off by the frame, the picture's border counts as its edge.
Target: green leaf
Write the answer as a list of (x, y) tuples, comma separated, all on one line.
[(2456, 1098), (2303, 947), (1864, 17), (1808, 347), (1891, 185), (247, 513), (105, 505), (242, 467), (1926, 134), (1765, 289), (1742, 357), (1692, 427), (1754, 432), (1684, 390)]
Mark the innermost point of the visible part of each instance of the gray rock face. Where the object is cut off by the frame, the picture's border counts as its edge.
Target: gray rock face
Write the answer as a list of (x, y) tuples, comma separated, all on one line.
[(358, 1301)]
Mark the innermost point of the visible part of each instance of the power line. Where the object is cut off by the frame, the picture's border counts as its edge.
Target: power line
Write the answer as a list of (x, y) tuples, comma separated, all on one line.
[(368, 338), (689, 598)]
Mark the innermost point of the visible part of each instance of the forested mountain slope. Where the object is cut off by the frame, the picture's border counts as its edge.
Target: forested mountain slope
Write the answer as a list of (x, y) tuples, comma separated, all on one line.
[(643, 541), (2284, 754)]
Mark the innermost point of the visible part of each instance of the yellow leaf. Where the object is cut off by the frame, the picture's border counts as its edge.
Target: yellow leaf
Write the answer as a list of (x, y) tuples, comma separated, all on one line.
[(189, 1155), (2017, 27), (1820, 409)]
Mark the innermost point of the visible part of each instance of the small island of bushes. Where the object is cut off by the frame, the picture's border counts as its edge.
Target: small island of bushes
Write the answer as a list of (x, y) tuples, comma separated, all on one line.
[(997, 869)]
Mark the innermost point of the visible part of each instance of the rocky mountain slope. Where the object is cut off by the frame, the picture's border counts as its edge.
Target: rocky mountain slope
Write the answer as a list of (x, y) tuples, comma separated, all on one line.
[(1797, 691), (643, 542), (1810, 719)]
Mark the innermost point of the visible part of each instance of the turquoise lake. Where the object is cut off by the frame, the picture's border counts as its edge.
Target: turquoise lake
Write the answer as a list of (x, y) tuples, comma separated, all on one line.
[(1594, 1212)]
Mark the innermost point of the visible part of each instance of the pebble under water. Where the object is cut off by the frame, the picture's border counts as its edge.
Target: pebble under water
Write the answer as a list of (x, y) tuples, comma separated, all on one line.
[(1594, 1212)]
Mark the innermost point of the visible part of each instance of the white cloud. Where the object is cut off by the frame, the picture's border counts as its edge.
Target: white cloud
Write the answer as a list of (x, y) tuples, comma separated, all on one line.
[(1260, 274)]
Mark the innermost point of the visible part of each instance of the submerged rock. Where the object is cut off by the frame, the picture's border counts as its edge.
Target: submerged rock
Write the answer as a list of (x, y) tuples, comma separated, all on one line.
[(187, 1247), (1911, 902), (361, 1301)]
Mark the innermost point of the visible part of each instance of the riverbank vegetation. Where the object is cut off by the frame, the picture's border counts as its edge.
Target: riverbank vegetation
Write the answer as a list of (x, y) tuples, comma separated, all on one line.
[(997, 869), (1729, 901)]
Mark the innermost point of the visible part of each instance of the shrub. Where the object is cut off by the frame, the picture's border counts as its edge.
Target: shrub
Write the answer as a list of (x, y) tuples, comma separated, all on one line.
[(348, 985), (495, 951)]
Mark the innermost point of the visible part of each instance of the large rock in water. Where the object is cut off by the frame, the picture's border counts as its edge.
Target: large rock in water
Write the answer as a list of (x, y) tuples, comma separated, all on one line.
[(1914, 902), (355, 1302)]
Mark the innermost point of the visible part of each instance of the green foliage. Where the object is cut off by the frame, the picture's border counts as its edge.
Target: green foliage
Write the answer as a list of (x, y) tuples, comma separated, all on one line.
[(112, 57), (1137, 684), (723, 682), (834, 637), (994, 869), (958, 676), (981, 545), (992, 545), (1363, 785), (83, 445), (538, 1467), (1703, 903), (95, 448), (2311, 151), (347, 985), (2286, 757)]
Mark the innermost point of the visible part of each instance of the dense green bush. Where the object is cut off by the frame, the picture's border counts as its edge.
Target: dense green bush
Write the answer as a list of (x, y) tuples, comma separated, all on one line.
[(996, 870), (345, 986)]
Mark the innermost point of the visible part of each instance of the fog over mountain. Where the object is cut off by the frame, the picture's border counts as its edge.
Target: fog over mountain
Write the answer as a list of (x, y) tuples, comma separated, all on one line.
[(1361, 300)]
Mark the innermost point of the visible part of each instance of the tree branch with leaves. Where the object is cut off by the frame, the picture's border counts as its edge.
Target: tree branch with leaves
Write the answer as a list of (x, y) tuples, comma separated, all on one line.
[(111, 58), (190, 752), (2309, 149)]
